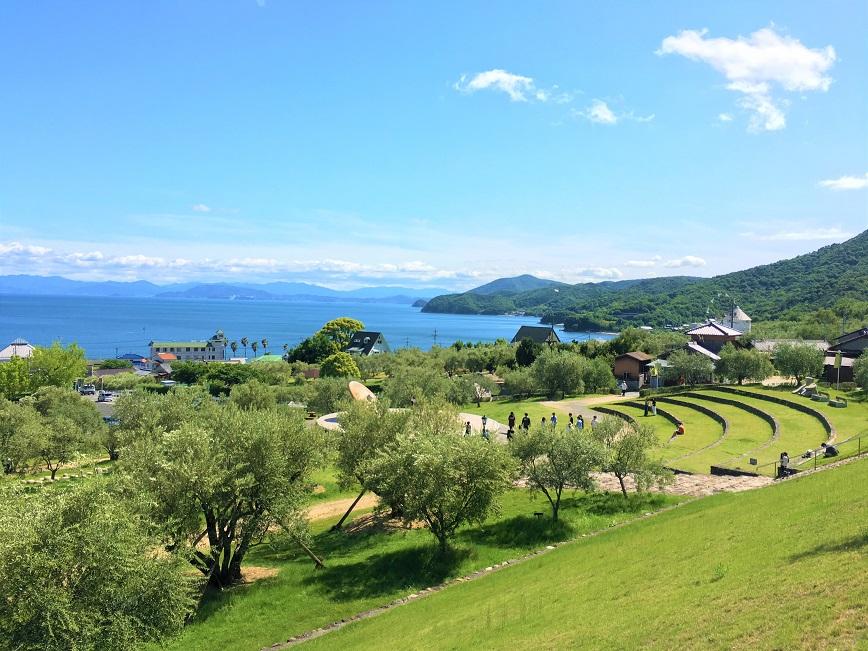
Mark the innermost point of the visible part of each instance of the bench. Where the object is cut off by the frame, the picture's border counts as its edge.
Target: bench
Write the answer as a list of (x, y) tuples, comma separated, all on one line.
[(838, 402)]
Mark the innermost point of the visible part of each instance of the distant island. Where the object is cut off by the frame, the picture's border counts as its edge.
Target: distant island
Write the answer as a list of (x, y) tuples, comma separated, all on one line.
[(787, 289), (274, 291)]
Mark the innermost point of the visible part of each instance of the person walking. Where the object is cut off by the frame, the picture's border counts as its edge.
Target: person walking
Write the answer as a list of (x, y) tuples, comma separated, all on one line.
[(580, 423), (467, 429), (511, 421), (544, 422), (593, 421), (554, 420), (525, 422), (647, 407), (623, 387), (653, 407), (572, 422)]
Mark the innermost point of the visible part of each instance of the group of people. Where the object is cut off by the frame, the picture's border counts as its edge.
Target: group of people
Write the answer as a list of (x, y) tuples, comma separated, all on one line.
[(650, 407), (572, 423)]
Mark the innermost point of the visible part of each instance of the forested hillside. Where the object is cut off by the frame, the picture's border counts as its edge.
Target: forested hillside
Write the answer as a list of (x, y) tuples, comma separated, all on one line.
[(787, 289)]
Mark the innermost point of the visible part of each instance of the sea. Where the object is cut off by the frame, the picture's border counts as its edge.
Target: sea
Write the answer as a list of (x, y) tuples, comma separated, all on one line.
[(111, 326)]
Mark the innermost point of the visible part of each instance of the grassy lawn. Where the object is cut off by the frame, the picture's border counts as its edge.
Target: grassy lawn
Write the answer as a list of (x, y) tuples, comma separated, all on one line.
[(374, 566), (326, 481), (798, 431), (781, 567)]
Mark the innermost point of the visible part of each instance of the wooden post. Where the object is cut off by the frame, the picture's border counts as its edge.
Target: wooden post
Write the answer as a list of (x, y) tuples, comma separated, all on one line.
[(349, 510)]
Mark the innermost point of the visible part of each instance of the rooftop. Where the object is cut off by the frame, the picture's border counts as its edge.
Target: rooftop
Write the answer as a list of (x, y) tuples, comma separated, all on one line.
[(537, 334), (638, 355), (713, 329)]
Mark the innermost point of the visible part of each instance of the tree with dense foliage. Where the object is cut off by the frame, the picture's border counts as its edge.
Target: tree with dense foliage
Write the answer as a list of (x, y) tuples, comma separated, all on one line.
[(519, 381), (226, 478), (339, 365), (366, 428), (409, 384), (798, 360), (252, 395), (555, 459), (558, 371), (59, 442), (742, 364), (688, 368), (313, 350), (78, 571), (443, 479), (527, 351), (628, 452), (143, 414), (860, 371), (597, 375), (20, 426), (56, 365), (14, 378), (340, 330), (188, 372), (52, 402), (327, 395), (115, 363)]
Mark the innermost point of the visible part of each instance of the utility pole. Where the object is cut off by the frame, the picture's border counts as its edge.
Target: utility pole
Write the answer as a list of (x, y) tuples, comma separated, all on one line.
[(435, 336)]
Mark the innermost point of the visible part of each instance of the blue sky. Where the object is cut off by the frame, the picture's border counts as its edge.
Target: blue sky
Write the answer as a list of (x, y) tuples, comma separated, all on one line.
[(390, 143)]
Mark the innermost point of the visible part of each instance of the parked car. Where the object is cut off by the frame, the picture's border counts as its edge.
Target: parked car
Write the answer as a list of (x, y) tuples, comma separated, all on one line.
[(104, 396), (87, 390)]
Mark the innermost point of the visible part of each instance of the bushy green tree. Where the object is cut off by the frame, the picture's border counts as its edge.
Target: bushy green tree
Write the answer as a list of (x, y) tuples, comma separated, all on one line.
[(227, 478), (188, 372), (252, 395), (327, 395), (597, 375), (409, 384), (15, 378), (340, 330), (554, 460), (313, 350), (518, 381), (860, 371), (798, 360), (20, 426), (690, 368), (628, 452), (142, 414), (445, 480), (78, 571), (339, 365), (742, 364), (467, 388), (527, 351), (56, 365), (558, 371), (115, 363), (90, 431)]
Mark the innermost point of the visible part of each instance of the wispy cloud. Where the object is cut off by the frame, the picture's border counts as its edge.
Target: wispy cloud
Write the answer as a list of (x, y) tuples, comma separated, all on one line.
[(201, 207), (846, 183), (519, 88), (724, 117), (754, 66), (599, 112), (686, 261), (802, 235), (642, 264)]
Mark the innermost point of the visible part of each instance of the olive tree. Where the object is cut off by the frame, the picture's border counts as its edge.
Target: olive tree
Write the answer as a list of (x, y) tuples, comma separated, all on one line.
[(443, 479), (689, 368), (860, 371), (226, 479), (366, 428), (554, 460), (798, 360), (20, 426), (558, 371), (628, 452), (253, 394), (742, 364), (339, 365), (56, 365), (340, 330), (78, 571)]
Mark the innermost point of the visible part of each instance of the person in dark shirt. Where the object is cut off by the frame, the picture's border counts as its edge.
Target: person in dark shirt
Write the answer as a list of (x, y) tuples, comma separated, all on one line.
[(829, 450), (525, 422)]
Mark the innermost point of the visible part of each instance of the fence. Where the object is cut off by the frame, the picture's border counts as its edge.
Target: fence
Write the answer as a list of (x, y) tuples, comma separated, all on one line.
[(852, 447)]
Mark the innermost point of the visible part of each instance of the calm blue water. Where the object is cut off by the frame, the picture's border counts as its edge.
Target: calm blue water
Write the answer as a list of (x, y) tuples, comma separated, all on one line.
[(106, 326)]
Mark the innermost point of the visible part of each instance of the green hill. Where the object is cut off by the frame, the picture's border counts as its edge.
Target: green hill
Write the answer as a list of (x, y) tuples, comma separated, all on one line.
[(515, 285), (783, 567), (787, 288)]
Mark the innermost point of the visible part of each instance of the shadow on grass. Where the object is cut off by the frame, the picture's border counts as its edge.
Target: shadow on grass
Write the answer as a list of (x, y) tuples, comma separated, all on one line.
[(852, 544), (614, 503), (382, 574), (519, 531)]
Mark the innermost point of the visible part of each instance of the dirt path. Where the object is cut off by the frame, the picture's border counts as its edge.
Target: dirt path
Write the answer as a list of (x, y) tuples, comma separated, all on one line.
[(334, 508)]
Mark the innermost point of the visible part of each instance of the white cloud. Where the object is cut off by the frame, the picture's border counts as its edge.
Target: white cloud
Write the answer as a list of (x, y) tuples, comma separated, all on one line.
[(201, 207), (518, 87), (686, 261), (756, 64), (599, 112), (800, 235), (846, 183), (643, 263), (724, 117)]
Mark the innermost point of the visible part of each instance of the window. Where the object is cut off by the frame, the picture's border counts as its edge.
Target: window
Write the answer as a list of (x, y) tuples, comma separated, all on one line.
[(188, 349)]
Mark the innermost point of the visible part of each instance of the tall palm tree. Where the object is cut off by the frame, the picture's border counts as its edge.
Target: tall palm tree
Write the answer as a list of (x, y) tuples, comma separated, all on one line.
[(264, 346), (254, 345), (244, 342), (234, 347)]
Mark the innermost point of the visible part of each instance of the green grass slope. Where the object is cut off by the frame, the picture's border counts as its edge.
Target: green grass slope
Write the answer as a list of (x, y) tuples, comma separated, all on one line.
[(784, 567)]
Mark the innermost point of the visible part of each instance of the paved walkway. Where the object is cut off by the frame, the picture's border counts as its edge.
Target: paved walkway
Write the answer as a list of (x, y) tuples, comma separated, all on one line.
[(582, 406)]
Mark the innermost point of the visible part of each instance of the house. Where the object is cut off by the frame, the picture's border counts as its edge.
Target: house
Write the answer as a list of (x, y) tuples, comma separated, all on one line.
[(695, 348), (199, 351), (633, 368), (738, 320), (18, 348), (537, 334), (712, 336), (367, 343), (850, 345), (138, 361)]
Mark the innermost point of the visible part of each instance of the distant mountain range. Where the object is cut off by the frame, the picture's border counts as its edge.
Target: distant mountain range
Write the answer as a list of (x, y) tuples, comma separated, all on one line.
[(784, 289), (284, 291)]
